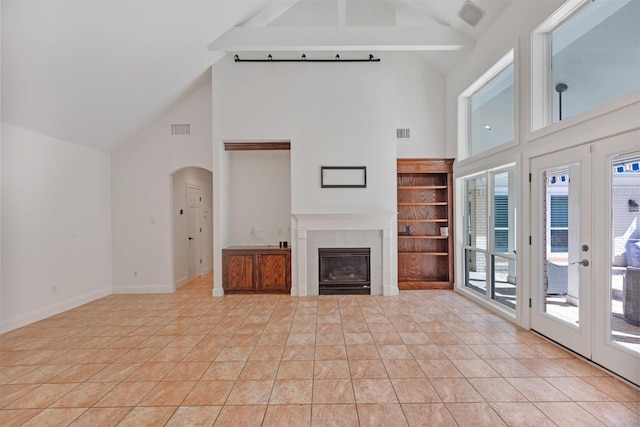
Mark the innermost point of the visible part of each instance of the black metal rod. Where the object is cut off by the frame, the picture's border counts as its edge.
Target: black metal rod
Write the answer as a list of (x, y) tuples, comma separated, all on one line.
[(236, 59), (560, 87), (559, 105)]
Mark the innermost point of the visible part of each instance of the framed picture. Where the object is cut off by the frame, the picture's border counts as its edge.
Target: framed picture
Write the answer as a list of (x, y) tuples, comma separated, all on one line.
[(343, 176)]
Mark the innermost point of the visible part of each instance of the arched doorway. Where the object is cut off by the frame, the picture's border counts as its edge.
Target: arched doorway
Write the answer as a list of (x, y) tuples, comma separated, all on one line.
[(191, 224)]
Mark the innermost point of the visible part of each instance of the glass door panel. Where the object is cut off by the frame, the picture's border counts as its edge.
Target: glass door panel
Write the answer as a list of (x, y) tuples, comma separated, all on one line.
[(617, 279), (561, 297), (561, 242), (625, 257)]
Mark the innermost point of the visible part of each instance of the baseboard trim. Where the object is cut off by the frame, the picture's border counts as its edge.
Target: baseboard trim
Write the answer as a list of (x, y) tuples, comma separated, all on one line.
[(52, 310), (148, 289), (181, 281)]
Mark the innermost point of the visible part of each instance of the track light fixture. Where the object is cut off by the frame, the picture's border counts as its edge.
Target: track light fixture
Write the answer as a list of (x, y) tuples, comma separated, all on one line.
[(303, 58)]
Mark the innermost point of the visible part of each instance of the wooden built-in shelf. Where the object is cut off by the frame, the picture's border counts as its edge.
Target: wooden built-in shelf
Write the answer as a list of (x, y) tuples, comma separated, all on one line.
[(425, 204), (257, 145)]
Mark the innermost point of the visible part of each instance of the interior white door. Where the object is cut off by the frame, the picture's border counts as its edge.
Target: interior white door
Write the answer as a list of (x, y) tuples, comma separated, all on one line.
[(194, 200), (617, 226), (561, 303)]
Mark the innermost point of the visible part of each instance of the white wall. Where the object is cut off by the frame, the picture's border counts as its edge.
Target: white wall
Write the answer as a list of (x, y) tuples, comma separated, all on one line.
[(142, 184), (202, 179), (259, 188), (56, 226), (334, 115), (419, 106)]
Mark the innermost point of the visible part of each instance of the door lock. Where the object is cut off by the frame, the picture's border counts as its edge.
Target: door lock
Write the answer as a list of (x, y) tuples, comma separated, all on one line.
[(584, 262), (585, 248)]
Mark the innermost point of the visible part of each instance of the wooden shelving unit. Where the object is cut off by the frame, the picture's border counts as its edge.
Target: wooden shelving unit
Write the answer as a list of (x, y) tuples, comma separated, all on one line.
[(425, 205)]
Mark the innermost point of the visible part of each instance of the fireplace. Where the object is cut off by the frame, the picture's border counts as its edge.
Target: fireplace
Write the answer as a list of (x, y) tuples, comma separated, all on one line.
[(344, 271)]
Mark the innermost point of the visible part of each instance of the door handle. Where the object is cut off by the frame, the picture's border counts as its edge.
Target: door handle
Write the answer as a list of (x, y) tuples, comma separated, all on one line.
[(190, 238), (584, 262)]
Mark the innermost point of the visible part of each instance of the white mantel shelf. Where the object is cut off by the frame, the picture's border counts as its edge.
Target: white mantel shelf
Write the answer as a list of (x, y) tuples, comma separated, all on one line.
[(341, 221), (344, 221)]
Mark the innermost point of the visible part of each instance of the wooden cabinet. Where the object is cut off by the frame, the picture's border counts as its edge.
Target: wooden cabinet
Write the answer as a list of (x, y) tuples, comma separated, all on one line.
[(425, 207), (256, 269)]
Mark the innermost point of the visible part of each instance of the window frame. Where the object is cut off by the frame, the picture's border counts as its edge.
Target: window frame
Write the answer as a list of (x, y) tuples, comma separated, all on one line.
[(540, 106), (489, 252), (464, 108)]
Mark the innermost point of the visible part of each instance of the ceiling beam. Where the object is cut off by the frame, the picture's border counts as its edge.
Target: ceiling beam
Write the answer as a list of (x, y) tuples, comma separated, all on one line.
[(274, 39)]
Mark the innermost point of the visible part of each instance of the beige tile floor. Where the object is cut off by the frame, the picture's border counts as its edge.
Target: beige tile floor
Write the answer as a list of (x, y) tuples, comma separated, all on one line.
[(426, 358)]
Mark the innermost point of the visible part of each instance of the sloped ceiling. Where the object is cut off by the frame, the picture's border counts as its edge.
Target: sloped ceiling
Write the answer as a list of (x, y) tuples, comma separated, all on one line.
[(95, 73)]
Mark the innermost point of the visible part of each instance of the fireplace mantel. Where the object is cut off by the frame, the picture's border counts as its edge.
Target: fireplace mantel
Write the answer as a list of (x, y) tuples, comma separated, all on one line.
[(344, 221), (304, 224)]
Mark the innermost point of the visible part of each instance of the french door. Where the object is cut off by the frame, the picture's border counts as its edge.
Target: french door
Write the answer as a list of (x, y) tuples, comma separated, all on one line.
[(617, 291), (561, 244), (584, 287)]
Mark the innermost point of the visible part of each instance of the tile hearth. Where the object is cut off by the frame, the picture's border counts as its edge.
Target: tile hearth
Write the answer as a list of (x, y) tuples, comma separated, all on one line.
[(421, 358)]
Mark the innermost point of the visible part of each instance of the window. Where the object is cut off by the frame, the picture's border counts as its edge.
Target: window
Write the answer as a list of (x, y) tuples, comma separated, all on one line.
[(492, 114), (490, 257), (559, 222), (486, 110), (501, 222), (585, 55)]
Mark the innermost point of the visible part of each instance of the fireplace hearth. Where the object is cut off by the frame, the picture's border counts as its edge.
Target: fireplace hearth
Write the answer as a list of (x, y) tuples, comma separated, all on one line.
[(344, 271)]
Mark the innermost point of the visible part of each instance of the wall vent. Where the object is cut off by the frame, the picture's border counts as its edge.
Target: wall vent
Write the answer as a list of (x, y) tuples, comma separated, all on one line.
[(403, 133), (180, 129)]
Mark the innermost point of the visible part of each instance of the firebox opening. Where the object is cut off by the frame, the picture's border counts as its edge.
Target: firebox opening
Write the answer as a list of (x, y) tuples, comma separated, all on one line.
[(344, 271)]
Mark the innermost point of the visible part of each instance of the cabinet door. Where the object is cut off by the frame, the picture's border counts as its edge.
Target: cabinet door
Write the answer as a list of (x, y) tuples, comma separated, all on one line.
[(239, 271), (274, 272)]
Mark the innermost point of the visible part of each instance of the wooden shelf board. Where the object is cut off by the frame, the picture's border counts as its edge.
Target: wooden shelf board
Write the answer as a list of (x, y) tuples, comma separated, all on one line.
[(423, 237), (257, 145), (404, 285), (422, 203), (424, 253), (423, 220), (422, 187)]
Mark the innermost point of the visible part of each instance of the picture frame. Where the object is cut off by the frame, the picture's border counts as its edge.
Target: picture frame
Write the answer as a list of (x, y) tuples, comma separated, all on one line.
[(343, 177)]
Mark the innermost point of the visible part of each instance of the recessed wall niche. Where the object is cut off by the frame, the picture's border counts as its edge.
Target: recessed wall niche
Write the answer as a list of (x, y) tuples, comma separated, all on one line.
[(259, 191)]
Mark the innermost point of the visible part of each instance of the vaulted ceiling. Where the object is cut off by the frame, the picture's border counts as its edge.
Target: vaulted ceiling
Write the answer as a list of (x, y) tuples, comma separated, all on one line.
[(95, 73)]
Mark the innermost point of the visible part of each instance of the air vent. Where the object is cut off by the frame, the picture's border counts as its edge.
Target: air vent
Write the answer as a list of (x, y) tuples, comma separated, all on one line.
[(403, 133), (470, 13), (181, 129)]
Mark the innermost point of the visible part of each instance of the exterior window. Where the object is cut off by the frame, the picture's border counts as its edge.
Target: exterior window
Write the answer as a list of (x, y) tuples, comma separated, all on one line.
[(501, 222), (559, 222), (492, 113), (476, 212), (490, 258), (584, 55), (486, 110)]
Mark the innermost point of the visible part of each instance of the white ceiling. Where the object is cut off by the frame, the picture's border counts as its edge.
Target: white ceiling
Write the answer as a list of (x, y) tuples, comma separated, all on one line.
[(95, 73)]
